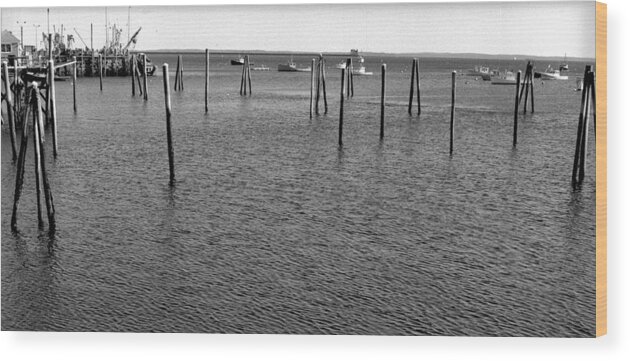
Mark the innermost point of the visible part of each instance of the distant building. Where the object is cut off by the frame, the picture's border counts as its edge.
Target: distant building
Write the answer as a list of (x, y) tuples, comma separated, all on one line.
[(10, 44)]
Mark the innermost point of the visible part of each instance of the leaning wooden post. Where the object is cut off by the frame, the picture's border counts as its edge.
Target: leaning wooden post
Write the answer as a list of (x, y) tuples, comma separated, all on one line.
[(169, 140), (10, 115), (383, 69), (348, 72), (243, 85), (100, 70), (310, 110), (526, 86), (53, 104), (531, 85), (579, 138), (177, 73), (452, 110), (181, 74), (585, 127), (138, 80), (249, 75), (515, 133), (74, 84), (145, 80), (50, 206), (413, 74), (324, 85), (31, 103), (418, 84), (351, 75), (133, 75), (343, 75), (207, 78), (19, 176)]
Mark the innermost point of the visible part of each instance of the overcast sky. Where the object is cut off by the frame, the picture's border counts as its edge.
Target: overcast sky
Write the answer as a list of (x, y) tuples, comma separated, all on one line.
[(529, 28)]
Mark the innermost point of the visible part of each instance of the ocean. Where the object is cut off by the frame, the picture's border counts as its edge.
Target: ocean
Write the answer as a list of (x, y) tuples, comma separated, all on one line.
[(272, 228)]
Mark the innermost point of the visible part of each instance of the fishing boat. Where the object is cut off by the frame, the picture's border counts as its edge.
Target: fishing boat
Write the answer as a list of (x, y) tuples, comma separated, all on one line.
[(360, 71), (479, 71), (261, 67), (292, 67), (239, 61), (564, 66), (504, 78), (551, 74)]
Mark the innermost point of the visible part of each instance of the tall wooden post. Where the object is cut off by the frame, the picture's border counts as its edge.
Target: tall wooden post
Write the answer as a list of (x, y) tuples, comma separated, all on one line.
[(9, 103), (383, 70), (100, 70), (53, 104), (348, 74), (37, 153), (249, 75), (144, 77), (343, 75), (310, 110), (579, 141), (74, 84), (319, 80), (243, 85), (418, 83), (50, 205), (207, 77), (324, 85), (413, 74), (587, 107), (515, 133), (19, 176), (169, 140), (177, 73), (133, 75), (453, 75), (181, 74)]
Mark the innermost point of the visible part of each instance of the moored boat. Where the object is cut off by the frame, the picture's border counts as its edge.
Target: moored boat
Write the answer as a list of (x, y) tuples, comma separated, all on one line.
[(239, 61), (505, 78), (292, 67), (551, 74)]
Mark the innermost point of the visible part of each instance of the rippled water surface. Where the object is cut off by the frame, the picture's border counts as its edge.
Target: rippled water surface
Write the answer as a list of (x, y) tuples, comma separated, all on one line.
[(271, 228)]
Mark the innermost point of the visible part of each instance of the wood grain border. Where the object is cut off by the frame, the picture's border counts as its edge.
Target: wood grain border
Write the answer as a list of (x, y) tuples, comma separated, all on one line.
[(601, 310)]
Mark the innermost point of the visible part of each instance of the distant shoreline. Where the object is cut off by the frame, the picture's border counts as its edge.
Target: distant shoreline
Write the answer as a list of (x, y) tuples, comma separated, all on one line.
[(372, 54)]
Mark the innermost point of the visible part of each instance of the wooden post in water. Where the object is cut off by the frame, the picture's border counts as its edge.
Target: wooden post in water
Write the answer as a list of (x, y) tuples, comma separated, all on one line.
[(19, 176), (32, 103), (132, 70), (515, 133), (580, 139), (319, 80), (453, 75), (249, 75), (531, 85), (10, 114), (100, 70), (243, 85), (145, 82), (169, 140), (74, 84), (181, 73), (383, 70), (413, 74), (343, 75), (590, 85), (138, 76), (348, 72), (53, 104), (310, 110), (418, 83), (177, 73), (207, 78), (324, 85), (50, 206)]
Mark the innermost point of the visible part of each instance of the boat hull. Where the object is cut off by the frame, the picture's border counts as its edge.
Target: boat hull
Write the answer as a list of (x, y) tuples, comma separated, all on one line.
[(292, 68)]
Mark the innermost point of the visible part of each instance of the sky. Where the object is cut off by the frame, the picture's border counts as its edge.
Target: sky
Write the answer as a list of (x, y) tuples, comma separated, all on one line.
[(524, 28)]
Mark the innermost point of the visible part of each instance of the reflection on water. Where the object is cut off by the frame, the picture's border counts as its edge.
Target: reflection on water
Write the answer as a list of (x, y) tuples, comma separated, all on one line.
[(272, 228)]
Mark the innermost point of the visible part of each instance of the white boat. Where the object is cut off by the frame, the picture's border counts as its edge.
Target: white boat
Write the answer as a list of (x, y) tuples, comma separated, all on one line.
[(357, 64), (261, 67), (479, 71), (505, 78), (552, 74), (361, 71), (564, 66), (291, 66)]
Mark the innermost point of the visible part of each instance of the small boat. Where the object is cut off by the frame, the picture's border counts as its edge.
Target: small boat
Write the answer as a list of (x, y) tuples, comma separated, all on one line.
[(150, 69), (292, 67), (505, 78), (551, 74), (564, 66), (239, 61), (479, 71), (261, 67), (360, 71)]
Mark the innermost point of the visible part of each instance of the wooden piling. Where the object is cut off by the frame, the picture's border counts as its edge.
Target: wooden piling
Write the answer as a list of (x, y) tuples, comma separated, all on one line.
[(249, 75), (453, 75), (580, 131), (413, 74), (207, 77), (343, 75), (531, 86), (19, 176), (516, 98), (53, 104), (37, 154), (74, 84), (50, 206), (10, 114), (383, 70), (585, 133), (351, 75), (177, 74), (310, 110), (100, 70), (418, 83), (526, 86), (324, 85), (132, 71), (243, 85), (348, 72), (181, 73), (319, 80), (145, 81), (169, 140), (138, 76)]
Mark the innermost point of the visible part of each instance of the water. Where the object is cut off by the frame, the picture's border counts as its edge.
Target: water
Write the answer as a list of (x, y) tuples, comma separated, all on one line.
[(273, 229)]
